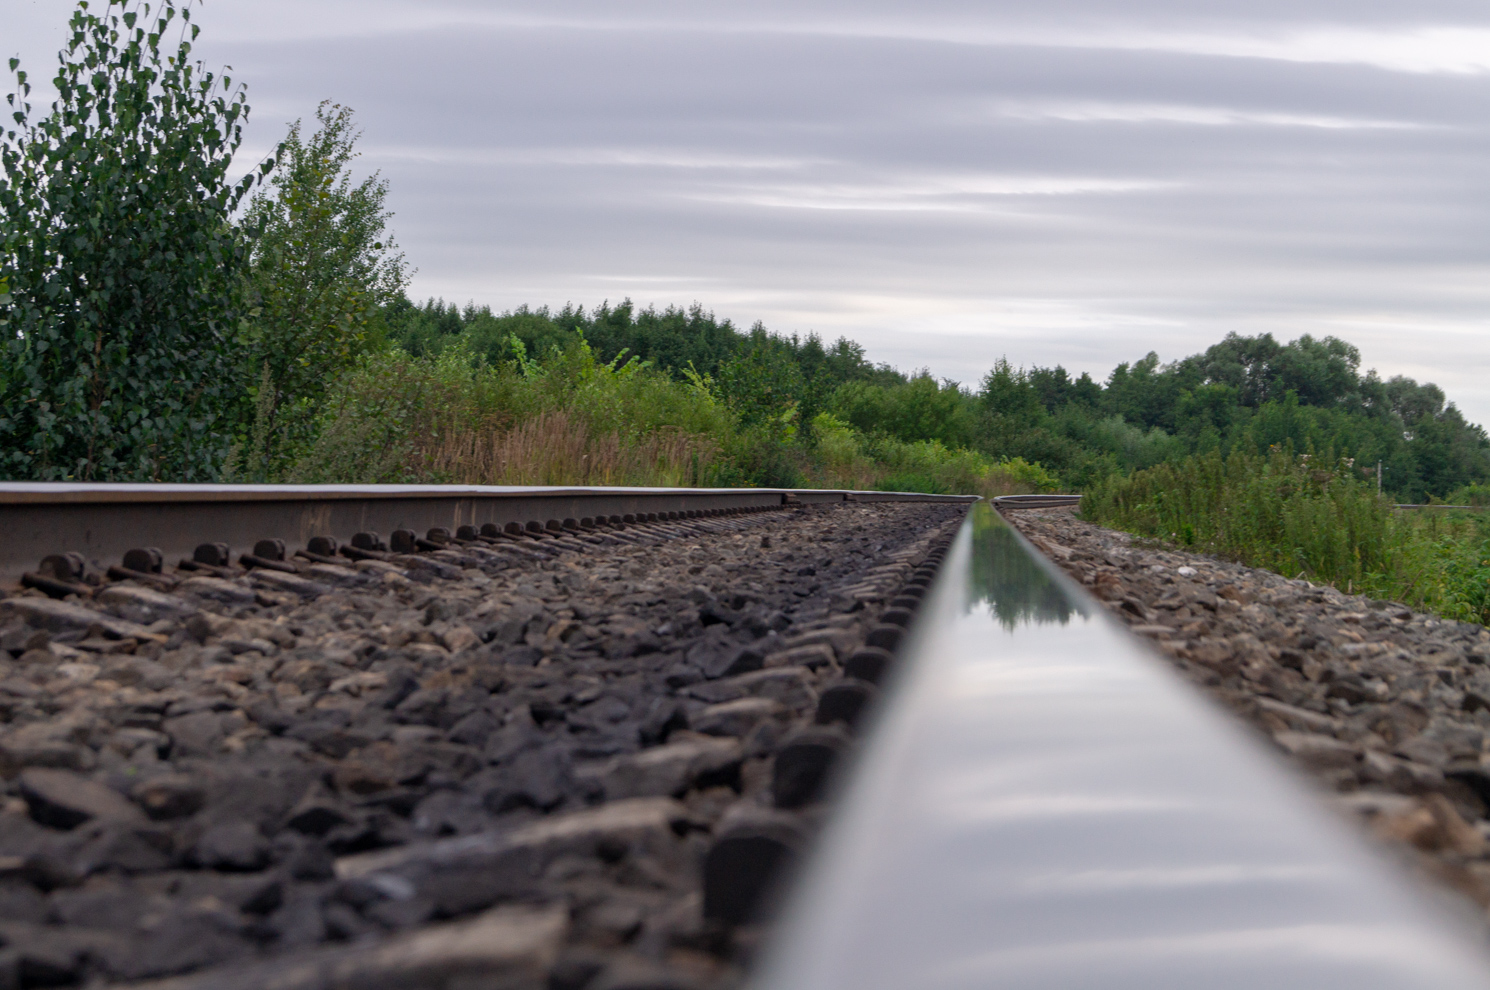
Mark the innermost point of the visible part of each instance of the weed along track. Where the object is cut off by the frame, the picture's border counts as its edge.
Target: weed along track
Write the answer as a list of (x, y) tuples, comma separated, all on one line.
[(549, 754)]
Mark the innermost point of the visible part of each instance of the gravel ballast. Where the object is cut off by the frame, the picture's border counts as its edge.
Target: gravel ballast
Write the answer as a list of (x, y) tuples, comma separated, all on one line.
[(1389, 709), (564, 761)]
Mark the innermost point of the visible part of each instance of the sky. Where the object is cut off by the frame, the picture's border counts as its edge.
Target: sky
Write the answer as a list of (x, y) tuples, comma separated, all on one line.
[(947, 182)]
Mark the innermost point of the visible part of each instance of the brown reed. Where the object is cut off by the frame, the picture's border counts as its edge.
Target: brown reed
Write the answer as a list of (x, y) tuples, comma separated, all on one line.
[(559, 448)]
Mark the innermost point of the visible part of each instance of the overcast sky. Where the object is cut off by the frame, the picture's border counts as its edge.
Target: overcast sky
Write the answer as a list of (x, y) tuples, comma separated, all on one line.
[(1073, 181)]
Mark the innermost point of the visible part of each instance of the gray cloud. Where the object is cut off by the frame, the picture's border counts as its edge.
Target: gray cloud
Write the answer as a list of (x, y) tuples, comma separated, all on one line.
[(946, 182)]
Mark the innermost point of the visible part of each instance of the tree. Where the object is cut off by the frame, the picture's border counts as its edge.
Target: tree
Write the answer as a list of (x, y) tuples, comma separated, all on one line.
[(1056, 388), (919, 409), (1009, 395), (120, 273), (763, 385), (1144, 393), (321, 270)]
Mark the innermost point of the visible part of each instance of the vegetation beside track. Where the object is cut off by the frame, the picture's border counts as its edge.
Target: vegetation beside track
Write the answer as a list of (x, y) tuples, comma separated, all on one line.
[(1308, 516)]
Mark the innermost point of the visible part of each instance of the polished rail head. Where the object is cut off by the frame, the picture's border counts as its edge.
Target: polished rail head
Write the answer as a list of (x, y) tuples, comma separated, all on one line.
[(1043, 803)]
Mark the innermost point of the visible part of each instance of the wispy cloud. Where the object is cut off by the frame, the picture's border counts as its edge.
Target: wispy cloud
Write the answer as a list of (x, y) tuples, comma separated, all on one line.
[(703, 159), (1202, 116), (1416, 43), (950, 194)]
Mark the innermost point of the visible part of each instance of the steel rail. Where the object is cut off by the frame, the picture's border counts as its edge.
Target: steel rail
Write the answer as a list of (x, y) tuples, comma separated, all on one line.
[(1035, 501), (1056, 501), (1043, 804), (104, 521)]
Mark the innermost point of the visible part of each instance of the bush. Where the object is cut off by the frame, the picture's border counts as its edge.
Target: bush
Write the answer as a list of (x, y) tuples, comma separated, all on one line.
[(1477, 495), (848, 459)]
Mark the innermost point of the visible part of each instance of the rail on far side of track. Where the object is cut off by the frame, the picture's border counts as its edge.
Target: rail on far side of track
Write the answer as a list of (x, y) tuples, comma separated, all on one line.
[(1043, 804), (104, 521), (1057, 501)]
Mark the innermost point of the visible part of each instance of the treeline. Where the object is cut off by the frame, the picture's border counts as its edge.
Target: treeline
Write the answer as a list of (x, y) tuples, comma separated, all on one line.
[(1246, 395), (1243, 394)]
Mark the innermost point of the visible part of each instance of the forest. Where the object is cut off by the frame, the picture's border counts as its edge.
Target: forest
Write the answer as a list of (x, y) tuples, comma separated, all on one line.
[(1243, 393)]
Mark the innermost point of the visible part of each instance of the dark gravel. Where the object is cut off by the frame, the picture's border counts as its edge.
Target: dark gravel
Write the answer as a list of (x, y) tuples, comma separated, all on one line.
[(1389, 709), (568, 763)]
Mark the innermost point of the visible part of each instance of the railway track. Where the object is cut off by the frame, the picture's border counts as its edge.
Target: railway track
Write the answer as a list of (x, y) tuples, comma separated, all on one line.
[(398, 737), (574, 739)]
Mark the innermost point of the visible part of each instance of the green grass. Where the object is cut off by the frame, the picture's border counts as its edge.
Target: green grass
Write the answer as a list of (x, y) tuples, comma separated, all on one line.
[(846, 458), (1304, 516)]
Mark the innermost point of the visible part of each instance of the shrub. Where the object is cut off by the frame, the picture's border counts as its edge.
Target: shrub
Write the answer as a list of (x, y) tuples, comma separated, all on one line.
[(848, 459), (1477, 495)]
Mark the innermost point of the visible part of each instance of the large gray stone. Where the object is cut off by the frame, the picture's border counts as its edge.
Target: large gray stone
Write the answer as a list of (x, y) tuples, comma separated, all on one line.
[(509, 948), (57, 616), (471, 872), (63, 799), (143, 605), (664, 771)]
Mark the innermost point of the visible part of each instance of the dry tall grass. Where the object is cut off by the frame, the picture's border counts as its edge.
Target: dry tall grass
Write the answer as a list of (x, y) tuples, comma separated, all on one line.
[(558, 448)]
